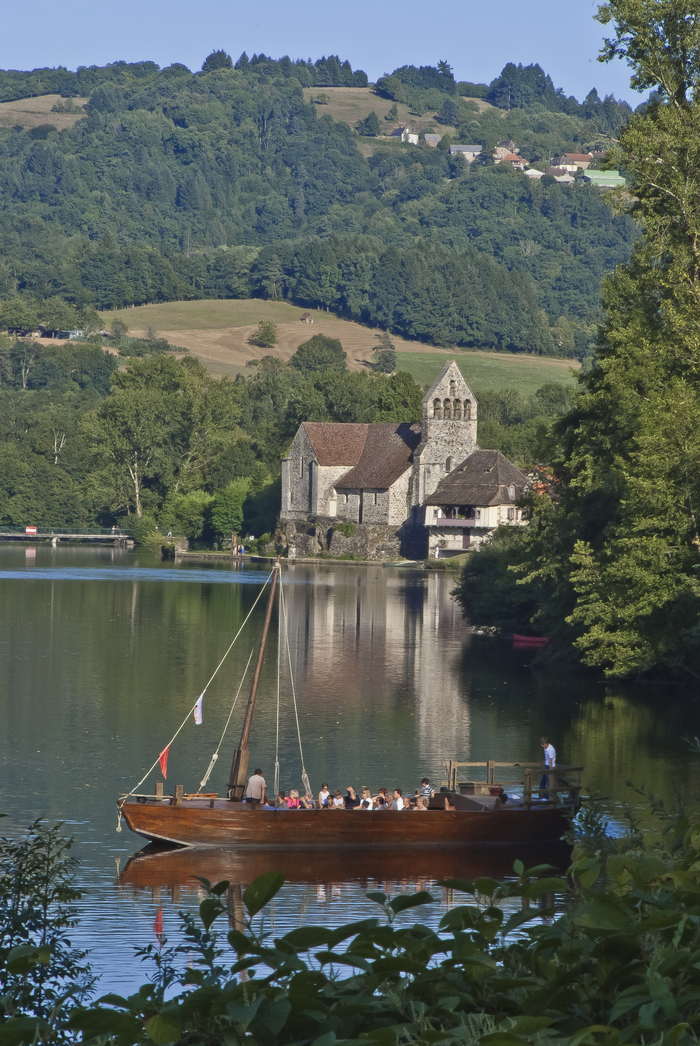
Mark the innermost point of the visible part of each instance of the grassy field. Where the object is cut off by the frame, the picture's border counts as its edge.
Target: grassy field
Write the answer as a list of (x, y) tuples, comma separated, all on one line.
[(490, 370), (30, 112), (218, 331)]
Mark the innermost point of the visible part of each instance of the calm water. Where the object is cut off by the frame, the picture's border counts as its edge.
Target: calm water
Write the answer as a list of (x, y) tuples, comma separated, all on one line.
[(102, 652)]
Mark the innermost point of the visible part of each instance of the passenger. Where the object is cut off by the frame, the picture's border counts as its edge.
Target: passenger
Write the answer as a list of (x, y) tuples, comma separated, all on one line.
[(366, 803), (421, 804), (448, 804), (255, 792), (384, 793), (351, 800), (323, 797), (381, 803), (425, 790), (307, 801), (397, 802), (337, 802), (281, 801), (293, 800)]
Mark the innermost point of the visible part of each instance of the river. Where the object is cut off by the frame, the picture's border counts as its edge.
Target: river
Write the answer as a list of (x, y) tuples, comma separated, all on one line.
[(103, 651)]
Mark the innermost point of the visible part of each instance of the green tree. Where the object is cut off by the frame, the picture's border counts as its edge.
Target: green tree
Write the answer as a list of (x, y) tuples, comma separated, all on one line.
[(217, 60), (318, 354), (385, 354), (188, 514), (118, 329), (369, 126), (265, 334), (449, 112), (444, 144), (393, 114), (227, 509)]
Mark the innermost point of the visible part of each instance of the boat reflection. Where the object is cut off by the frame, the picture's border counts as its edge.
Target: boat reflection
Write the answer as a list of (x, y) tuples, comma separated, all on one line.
[(172, 869)]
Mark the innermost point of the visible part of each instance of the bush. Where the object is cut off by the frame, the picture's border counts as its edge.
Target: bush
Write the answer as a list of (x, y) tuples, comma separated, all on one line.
[(265, 336), (346, 529)]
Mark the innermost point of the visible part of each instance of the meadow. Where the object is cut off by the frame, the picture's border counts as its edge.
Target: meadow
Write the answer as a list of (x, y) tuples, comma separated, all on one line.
[(217, 331), (31, 112)]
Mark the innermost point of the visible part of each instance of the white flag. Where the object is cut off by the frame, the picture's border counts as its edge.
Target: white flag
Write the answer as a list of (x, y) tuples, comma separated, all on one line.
[(198, 710)]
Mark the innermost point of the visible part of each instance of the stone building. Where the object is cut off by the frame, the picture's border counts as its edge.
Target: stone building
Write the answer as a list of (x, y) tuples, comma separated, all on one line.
[(378, 475), (466, 507)]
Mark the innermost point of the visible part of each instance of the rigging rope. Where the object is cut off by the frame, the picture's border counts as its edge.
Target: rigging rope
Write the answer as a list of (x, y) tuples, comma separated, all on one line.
[(184, 721), (304, 775), (277, 734), (215, 756)]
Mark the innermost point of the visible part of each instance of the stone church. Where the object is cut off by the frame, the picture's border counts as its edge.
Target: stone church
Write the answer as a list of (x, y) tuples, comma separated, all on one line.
[(376, 477)]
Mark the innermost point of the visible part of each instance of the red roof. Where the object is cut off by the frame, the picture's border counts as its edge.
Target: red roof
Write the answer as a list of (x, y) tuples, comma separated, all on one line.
[(387, 453), (512, 158), (579, 157), (336, 444)]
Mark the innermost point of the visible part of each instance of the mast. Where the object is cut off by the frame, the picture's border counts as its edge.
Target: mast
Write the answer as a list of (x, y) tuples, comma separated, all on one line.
[(239, 766)]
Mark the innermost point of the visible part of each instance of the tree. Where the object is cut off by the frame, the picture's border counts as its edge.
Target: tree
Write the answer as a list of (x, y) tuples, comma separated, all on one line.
[(265, 334), (217, 60), (369, 127), (318, 354), (385, 354), (118, 329), (449, 112), (227, 509), (445, 143), (393, 114)]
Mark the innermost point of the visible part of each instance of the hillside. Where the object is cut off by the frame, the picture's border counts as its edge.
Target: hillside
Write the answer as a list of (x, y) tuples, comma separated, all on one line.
[(217, 333), (230, 183)]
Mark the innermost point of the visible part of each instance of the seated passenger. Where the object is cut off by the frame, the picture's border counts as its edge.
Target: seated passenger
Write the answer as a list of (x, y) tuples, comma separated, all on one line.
[(293, 800), (324, 797), (425, 790), (384, 793), (381, 803), (337, 802), (421, 804), (448, 804), (307, 801), (366, 802), (351, 800), (281, 801), (397, 802)]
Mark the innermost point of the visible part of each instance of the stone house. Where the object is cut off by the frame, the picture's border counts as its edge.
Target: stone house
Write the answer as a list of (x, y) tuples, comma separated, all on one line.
[(470, 152), (379, 474), (306, 317), (467, 505), (503, 148)]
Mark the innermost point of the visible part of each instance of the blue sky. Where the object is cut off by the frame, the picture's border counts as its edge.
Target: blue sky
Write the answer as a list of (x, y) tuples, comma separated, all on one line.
[(477, 37)]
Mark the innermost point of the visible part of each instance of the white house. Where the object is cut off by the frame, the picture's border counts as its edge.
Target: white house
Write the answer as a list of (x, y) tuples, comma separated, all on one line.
[(476, 497)]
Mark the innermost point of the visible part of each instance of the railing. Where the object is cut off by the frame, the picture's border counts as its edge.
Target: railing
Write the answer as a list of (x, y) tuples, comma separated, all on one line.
[(442, 521), (47, 532), (568, 777)]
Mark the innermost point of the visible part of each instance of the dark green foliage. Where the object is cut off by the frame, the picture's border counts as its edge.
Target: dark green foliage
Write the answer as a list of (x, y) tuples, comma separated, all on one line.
[(217, 60), (449, 112), (369, 126), (385, 354), (265, 335), (39, 969), (319, 353)]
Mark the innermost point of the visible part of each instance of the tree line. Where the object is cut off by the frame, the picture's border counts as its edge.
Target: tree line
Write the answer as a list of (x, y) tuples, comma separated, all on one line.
[(172, 184)]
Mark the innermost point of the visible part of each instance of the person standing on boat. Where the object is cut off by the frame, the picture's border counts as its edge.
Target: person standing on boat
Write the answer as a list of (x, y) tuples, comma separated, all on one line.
[(426, 792), (550, 761), (397, 802), (255, 792)]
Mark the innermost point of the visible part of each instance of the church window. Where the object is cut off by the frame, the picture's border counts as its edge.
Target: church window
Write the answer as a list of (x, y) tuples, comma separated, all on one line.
[(447, 408), (437, 409), (449, 465), (375, 499), (453, 389), (301, 468), (467, 410), (457, 410)]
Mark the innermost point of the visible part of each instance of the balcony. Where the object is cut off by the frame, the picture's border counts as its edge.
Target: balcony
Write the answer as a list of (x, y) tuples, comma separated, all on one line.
[(442, 521)]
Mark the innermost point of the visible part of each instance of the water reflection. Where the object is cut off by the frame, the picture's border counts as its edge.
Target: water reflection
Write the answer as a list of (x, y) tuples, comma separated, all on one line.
[(102, 652)]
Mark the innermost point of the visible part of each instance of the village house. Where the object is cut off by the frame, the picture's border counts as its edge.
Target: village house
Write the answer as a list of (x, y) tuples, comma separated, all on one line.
[(515, 161), (470, 152), (503, 148), (306, 317), (405, 134), (468, 504), (573, 162), (379, 475)]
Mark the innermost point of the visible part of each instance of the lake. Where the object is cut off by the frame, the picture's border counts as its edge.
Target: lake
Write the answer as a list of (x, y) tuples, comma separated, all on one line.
[(104, 651)]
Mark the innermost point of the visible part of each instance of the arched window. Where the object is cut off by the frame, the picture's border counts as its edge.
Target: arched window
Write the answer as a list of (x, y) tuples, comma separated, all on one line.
[(437, 409), (447, 409), (467, 410), (301, 468), (453, 389), (457, 410), (449, 465)]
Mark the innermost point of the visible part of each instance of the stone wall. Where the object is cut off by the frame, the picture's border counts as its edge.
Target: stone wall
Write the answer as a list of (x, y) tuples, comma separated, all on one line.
[(362, 540)]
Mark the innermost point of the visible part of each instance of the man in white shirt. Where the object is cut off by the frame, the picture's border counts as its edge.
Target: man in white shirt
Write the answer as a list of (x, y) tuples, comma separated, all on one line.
[(397, 803), (255, 792), (550, 760)]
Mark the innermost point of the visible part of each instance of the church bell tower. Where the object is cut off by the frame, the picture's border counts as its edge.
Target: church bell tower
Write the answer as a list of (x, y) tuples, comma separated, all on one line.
[(448, 431)]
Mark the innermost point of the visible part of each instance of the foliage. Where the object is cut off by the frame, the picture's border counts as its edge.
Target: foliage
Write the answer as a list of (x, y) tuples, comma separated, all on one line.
[(385, 354), (217, 60), (369, 126), (41, 974), (319, 353), (227, 509), (265, 334)]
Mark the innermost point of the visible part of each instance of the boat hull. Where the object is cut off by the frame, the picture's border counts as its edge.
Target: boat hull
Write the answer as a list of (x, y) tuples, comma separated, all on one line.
[(229, 826)]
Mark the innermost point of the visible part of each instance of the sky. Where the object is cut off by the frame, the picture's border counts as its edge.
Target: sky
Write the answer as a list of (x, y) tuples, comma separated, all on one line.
[(477, 37)]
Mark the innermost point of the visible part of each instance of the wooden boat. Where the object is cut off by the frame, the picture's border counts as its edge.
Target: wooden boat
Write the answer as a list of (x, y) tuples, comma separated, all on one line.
[(529, 640), (464, 813)]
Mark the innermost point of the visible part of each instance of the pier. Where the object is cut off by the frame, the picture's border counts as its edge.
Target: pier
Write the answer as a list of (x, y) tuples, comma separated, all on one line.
[(96, 535)]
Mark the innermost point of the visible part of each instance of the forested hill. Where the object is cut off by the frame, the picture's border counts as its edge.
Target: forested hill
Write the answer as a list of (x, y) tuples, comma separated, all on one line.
[(226, 183)]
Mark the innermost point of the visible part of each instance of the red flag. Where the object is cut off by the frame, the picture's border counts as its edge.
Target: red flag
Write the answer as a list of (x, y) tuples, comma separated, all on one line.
[(158, 925), (163, 760)]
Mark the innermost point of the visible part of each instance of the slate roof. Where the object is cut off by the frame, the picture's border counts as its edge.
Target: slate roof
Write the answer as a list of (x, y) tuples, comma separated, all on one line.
[(336, 444), (481, 480), (387, 453), (465, 149)]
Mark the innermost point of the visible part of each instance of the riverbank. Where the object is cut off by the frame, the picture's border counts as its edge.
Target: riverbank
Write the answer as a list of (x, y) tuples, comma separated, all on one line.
[(441, 565)]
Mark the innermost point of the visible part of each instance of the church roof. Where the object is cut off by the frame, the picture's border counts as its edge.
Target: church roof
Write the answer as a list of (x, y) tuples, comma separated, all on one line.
[(387, 453), (482, 479), (336, 443)]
